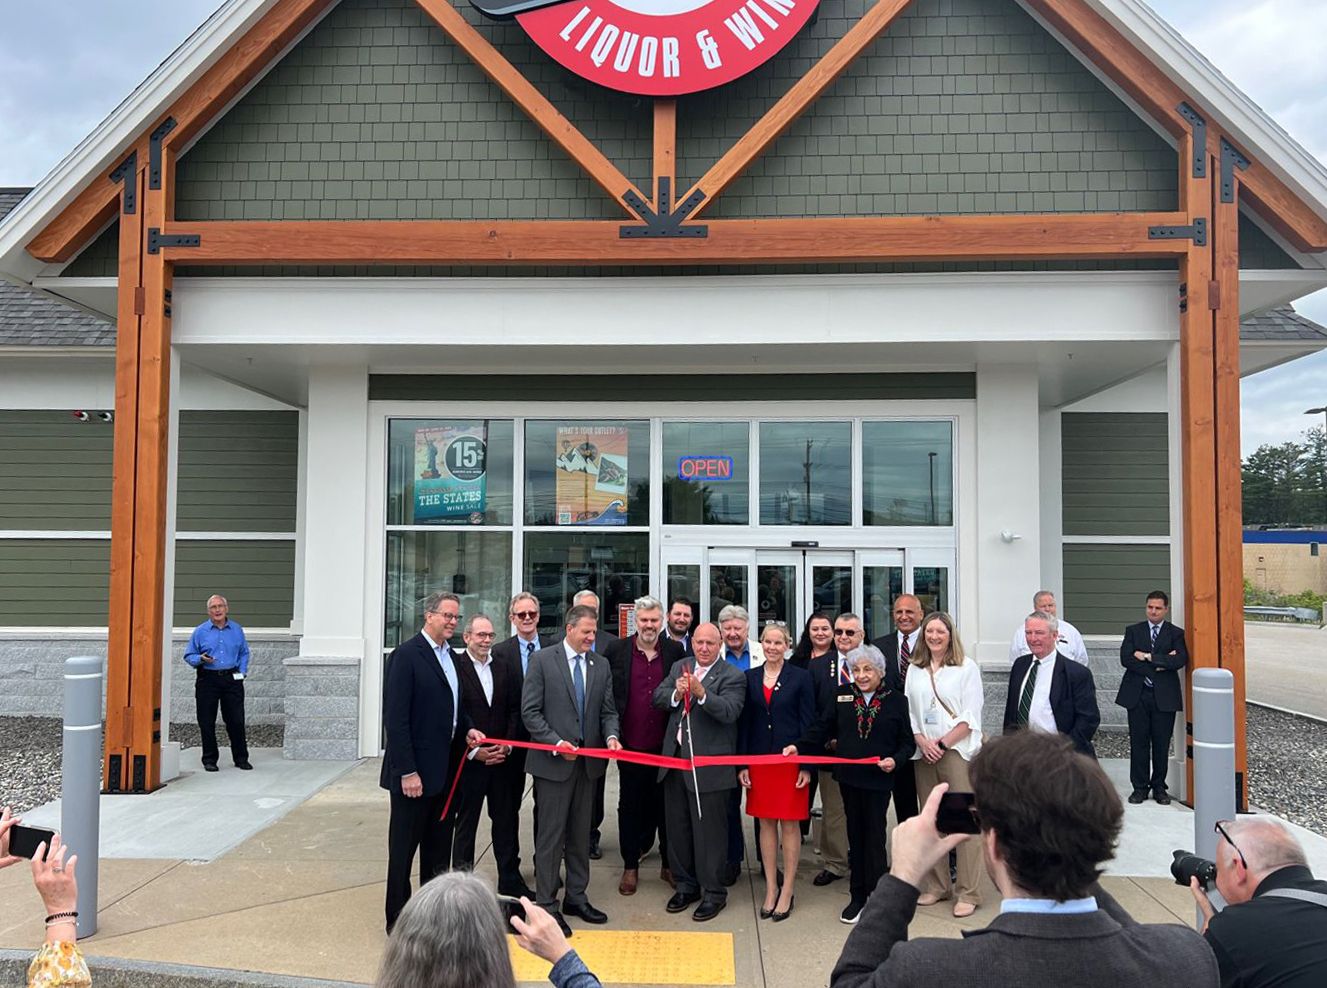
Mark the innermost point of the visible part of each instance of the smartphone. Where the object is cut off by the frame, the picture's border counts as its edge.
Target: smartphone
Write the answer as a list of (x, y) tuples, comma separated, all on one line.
[(510, 907), (957, 814), (23, 840)]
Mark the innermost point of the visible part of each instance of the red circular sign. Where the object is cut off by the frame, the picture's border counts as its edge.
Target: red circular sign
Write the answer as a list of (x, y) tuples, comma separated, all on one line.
[(665, 47)]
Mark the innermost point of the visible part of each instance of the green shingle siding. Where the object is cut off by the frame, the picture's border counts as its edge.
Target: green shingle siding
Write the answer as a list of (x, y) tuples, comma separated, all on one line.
[(238, 471), (1105, 586), (1258, 251), (257, 578), (1115, 474), (55, 472), (47, 582)]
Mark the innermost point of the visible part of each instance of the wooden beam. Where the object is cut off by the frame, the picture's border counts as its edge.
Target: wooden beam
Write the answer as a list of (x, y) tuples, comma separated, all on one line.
[(665, 145), (532, 102), (794, 102), (1160, 98), (579, 242), (78, 222)]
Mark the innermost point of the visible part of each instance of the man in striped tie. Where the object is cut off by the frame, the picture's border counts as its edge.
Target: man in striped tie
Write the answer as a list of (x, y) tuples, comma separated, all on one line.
[(1152, 653), (1049, 692)]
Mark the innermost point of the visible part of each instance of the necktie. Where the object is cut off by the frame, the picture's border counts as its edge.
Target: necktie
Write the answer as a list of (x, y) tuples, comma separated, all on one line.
[(904, 658), (1025, 701), (578, 683), (1156, 628), (529, 651), (845, 674)]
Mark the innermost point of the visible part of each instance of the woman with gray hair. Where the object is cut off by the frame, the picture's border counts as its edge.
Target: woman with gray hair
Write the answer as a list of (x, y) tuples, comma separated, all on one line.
[(868, 720), (451, 934)]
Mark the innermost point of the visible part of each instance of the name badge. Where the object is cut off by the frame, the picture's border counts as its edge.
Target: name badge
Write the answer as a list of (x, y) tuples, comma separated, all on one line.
[(844, 698), (932, 717)]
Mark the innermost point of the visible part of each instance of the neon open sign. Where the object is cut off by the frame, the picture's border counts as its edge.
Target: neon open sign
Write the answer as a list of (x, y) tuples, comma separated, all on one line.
[(701, 467)]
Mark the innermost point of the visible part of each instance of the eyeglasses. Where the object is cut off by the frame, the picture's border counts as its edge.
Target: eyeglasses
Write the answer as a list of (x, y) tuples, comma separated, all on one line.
[(482, 634), (525, 615), (1222, 831), (845, 632), (776, 624), (447, 614)]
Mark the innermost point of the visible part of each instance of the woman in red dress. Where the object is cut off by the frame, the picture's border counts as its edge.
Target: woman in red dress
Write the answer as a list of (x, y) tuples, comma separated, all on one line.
[(780, 706)]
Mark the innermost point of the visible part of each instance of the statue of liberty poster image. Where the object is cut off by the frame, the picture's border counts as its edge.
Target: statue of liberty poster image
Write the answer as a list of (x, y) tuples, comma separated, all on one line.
[(591, 475), (450, 472)]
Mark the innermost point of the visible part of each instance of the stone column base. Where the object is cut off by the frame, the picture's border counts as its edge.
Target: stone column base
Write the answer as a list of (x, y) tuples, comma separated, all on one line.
[(322, 708)]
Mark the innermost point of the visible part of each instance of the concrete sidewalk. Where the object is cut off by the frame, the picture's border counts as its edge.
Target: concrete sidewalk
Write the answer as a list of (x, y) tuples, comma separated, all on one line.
[(303, 896)]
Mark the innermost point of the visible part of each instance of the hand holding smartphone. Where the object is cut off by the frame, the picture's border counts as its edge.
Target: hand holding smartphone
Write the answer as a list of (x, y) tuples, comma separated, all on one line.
[(957, 814), (24, 841), (511, 906)]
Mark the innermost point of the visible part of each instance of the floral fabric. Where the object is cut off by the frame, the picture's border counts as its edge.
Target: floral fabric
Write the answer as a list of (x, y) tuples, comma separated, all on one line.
[(58, 964)]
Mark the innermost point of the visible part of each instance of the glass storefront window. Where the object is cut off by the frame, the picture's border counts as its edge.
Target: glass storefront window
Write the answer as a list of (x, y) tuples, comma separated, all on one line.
[(587, 473), (559, 564), (931, 585), (776, 596), (706, 478), (881, 585), (908, 472), (728, 585), (805, 473), (449, 472), (474, 565)]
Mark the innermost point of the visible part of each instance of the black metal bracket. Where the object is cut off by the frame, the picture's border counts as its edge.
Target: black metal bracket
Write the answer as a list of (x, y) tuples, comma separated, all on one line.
[(1231, 159), (127, 175), (157, 240), (1184, 296), (1199, 126), (1197, 232), (154, 152), (666, 222), (114, 774)]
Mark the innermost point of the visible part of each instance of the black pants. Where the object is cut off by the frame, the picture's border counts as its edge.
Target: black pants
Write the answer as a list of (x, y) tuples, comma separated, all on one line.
[(696, 844), (215, 688), (864, 810), (415, 825), (480, 784), (640, 813), (1150, 731), (905, 792)]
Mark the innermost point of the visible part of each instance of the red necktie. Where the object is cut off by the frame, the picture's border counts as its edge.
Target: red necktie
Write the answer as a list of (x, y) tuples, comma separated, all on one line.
[(904, 658)]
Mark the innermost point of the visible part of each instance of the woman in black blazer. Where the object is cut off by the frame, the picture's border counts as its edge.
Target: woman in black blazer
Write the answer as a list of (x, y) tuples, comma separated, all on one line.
[(779, 708), (869, 720)]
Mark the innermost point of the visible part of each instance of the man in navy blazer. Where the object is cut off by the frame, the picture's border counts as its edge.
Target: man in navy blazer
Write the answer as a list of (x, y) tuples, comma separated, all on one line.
[(1050, 692), (1152, 653), (424, 723)]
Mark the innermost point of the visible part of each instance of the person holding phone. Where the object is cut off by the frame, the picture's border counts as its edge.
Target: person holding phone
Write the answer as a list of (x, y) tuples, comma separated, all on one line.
[(945, 696), (869, 720), (219, 651), (59, 961)]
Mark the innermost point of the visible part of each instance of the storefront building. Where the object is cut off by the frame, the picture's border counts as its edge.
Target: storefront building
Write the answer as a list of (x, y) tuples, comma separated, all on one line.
[(940, 297)]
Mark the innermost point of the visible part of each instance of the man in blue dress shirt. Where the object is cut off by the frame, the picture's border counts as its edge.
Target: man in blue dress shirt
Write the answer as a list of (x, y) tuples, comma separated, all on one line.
[(218, 650)]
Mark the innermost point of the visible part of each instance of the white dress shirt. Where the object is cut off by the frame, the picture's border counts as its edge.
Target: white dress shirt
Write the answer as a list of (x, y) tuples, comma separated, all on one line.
[(1040, 716), (444, 654), (961, 688), (1070, 643), (484, 670)]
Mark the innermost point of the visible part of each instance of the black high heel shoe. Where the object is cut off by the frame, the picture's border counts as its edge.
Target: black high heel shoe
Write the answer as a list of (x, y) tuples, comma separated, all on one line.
[(766, 913), (779, 917)]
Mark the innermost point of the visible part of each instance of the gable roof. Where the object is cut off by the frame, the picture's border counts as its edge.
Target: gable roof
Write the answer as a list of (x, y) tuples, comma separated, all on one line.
[(31, 318), (1154, 38), (1279, 324)]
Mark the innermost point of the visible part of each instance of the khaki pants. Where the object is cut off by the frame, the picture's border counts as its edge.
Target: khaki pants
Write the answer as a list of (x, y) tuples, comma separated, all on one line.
[(952, 768), (833, 833)]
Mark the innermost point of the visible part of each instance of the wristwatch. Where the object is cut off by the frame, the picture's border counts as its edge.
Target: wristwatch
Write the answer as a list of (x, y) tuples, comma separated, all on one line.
[(941, 745)]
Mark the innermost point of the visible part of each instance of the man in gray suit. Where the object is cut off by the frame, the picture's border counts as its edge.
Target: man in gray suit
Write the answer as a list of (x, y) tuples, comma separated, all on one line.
[(567, 701), (698, 838), (1056, 924)]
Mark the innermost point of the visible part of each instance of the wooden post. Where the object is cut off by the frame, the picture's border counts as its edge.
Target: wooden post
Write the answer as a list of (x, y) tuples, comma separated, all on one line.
[(665, 145)]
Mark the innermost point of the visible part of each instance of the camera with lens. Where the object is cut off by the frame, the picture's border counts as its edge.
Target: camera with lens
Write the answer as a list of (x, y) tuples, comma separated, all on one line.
[(1188, 865)]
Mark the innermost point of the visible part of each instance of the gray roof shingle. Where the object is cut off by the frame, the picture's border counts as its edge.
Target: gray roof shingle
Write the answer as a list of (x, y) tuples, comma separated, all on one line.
[(29, 318), (1281, 323)]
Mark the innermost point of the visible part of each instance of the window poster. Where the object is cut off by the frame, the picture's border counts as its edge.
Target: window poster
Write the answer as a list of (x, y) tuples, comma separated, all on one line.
[(450, 471), (591, 475)]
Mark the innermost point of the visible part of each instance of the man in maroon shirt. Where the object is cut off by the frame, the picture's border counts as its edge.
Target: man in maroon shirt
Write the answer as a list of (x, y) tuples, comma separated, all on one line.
[(639, 664)]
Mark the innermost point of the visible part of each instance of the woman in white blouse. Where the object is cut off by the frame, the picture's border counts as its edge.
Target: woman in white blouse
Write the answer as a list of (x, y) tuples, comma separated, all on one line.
[(944, 704)]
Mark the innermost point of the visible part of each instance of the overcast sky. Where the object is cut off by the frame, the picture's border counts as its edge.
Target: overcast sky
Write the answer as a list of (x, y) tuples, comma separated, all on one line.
[(64, 65)]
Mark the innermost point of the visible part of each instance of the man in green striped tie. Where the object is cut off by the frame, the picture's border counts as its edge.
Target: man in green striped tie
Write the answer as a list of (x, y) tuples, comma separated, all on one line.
[(1049, 692)]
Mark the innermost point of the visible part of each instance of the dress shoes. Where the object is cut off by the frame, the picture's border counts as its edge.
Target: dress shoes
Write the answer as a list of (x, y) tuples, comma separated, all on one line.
[(825, 877), (666, 876), (680, 900), (244, 765), (1138, 796), (209, 767), (779, 917), (586, 912), (562, 923), (1161, 797), (731, 873), (596, 852), (630, 879), (516, 891), (766, 913), (707, 911)]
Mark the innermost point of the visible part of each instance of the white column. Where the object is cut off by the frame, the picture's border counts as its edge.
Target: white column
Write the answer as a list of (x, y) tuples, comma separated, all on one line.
[(1052, 506), (170, 760), (333, 493), (1008, 502), (301, 514)]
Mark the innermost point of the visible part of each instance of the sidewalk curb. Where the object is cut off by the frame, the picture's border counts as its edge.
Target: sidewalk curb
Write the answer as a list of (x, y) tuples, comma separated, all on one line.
[(115, 972)]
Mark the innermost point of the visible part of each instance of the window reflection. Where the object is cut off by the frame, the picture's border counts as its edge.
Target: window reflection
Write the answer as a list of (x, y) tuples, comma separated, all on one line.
[(805, 473), (558, 565), (705, 473), (908, 472), (449, 472)]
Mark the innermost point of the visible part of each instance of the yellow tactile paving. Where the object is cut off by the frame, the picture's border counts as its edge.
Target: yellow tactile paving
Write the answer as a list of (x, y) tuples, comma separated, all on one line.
[(643, 958)]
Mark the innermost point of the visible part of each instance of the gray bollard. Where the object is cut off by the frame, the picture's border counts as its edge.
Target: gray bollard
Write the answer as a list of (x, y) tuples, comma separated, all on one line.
[(80, 796), (1213, 760)]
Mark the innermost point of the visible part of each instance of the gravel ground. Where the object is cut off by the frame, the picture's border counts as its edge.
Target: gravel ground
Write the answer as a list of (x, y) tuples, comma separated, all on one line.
[(30, 755)]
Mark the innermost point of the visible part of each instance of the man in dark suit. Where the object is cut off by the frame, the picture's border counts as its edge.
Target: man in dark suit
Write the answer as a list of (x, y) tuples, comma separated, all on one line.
[(1057, 925), (1152, 653), (828, 673), (681, 614), (698, 834), (1049, 692), (491, 699), (424, 723), (567, 701), (640, 663), (515, 653), (897, 648)]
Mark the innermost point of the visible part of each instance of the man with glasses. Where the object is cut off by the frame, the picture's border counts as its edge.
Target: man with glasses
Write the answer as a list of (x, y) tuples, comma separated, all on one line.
[(745, 653), (828, 673), (423, 719), (1273, 931), (515, 653), (491, 698)]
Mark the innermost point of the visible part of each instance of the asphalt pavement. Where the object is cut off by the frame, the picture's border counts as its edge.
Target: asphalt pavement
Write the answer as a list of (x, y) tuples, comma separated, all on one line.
[(1286, 666)]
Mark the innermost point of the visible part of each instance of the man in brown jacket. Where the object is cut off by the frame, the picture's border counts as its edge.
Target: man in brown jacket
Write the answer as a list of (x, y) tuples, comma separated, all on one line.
[(1056, 924)]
